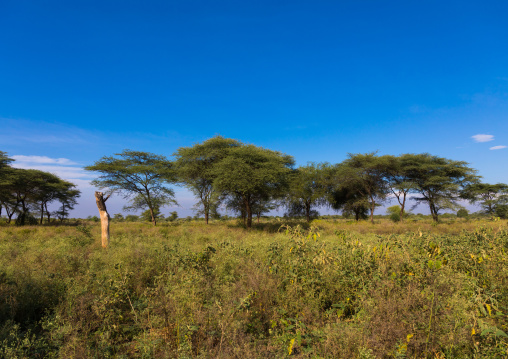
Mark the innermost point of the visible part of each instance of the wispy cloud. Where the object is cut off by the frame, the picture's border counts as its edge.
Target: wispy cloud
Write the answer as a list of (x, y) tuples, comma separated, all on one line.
[(62, 167), (497, 147), (482, 138), (42, 160)]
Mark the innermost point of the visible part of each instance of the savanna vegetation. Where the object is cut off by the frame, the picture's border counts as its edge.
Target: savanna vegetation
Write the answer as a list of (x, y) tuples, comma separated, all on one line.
[(334, 288), (354, 285)]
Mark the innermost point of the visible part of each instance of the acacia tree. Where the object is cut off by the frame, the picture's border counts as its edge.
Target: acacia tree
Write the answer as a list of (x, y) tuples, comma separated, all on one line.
[(398, 180), (366, 173), (47, 189), (25, 185), (5, 171), (308, 188), (489, 195), (67, 195), (438, 180), (142, 176), (195, 169), (250, 172), (349, 198)]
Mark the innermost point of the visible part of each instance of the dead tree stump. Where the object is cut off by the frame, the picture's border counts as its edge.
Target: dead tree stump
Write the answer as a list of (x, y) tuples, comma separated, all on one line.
[(101, 205)]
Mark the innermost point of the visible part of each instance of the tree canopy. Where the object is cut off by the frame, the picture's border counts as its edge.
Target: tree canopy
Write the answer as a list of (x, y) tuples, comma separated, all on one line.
[(195, 169), (251, 173), (25, 191), (308, 189), (438, 181), (141, 176)]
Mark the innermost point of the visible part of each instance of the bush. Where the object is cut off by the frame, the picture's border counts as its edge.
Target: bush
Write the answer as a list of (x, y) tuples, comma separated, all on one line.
[(462, 213), (501, 211), (395, 217)]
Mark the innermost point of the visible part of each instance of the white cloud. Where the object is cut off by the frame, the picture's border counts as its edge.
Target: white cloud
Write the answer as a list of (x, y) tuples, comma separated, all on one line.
[(43, 160), (64, 172), (497, 147), (482, 138)]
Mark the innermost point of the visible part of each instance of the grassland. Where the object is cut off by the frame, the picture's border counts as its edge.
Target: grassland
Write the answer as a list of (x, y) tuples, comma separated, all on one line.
[(335, 289)]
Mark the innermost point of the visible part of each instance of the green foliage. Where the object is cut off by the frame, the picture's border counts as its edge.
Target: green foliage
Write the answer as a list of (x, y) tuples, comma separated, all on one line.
[(488, 195), (308, 188), (173, 216), (438, 180), (252, 174), (118, 217), (192, 290), (24, 190), (131, 218), (195, 168), (395, 217), (462, 213), (366, 175), (141, 176), (501, 211)]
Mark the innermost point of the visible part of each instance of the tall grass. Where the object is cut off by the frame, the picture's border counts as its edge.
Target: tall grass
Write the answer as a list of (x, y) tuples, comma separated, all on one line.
[(334, 289)]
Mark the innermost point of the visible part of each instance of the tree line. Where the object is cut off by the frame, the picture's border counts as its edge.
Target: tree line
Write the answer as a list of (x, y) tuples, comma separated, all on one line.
[(25, 192), (251, 180)]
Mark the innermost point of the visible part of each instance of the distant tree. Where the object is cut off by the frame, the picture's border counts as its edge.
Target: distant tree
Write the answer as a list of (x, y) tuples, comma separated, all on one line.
[(67, 196), (488, 195), (262, 204), (366, 173), (349, 198), (501, 211), (250, 172), (438, 181), (6, 197), (462, 213), (142, 176), (173, 216), (25, 186), (195, 169), (131, 218), (118, 217), (46, 190), (398, 181), (147, 215), (308, 188)]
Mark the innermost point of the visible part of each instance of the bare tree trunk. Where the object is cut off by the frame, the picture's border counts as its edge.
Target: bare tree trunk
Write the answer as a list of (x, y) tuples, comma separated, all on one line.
[(101, 205)]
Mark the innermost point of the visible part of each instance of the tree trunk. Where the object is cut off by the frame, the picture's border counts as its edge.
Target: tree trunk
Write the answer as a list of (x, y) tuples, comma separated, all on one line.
[(402, 206), (433, 212), (48, 214), (42, 212), (307, 211), (9, 214), (258, 215), (154, 221), (372, 207), (101, 205), (206, 216), (248, 209)]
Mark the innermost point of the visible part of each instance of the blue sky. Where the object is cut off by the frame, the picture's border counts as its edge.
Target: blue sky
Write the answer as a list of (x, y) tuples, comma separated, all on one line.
[(316, 80)]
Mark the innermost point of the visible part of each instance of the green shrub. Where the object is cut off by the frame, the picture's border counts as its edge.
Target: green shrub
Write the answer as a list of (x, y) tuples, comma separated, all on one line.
[(462, 213)]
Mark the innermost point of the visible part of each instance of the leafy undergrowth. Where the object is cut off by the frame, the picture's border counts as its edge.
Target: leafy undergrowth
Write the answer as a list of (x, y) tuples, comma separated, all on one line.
[(194, 291)]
